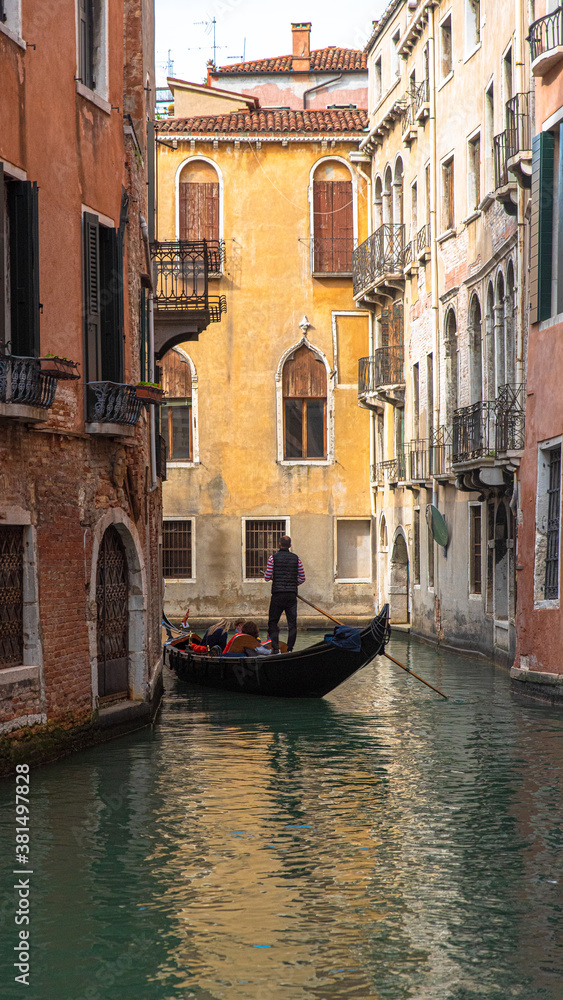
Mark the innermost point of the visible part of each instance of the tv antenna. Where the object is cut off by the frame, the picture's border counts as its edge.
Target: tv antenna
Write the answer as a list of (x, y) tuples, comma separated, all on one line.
[(243, 56), (209, 25), (169, 64)]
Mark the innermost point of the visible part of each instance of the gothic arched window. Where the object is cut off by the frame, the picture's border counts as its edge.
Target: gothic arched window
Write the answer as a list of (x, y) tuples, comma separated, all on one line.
[(304, 386), (176, 419)]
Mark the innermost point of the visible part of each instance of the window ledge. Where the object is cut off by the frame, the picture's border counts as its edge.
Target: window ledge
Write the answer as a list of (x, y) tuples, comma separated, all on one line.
[(306, 461), (93, 97), (546, 324), (27, 414), (361, 579), (182, 463), (476, 597), (488, 200), (331, 274), (471, 218), (447, 235), (13, 35), (446, 79), (18, 675), (110, 430), (179, 579), (472, 53), (551, 605)]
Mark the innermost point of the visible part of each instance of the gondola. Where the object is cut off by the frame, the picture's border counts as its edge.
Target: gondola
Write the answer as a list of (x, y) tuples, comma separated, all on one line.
[(304, 673)]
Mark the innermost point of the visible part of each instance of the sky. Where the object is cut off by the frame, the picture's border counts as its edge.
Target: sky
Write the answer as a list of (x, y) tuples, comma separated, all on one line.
[(265, 24)]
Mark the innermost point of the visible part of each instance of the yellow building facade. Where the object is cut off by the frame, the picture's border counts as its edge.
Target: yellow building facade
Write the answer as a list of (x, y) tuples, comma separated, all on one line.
[(261, 419)]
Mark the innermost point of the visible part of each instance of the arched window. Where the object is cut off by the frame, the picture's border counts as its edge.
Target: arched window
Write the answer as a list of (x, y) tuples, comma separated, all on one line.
[(398, 193), (383, 534), (176, 414), (475, 350), (509, 325), (304, 388), (378, 203), (333, 218), (490, 341), (500, 334), (388, 198), (198, 202), (450, 352)]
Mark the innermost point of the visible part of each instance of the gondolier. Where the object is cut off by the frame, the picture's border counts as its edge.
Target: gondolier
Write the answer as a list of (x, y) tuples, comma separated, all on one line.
[(286, 572)]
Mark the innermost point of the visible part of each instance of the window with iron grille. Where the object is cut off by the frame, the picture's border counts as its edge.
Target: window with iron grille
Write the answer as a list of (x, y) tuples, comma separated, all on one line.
[(177, 550), (416, 546), (551, 589), (475, 583), (261, 540), (11, 596)]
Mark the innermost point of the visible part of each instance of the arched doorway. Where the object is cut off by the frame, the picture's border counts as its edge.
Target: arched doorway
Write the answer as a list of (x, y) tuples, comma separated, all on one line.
[(399, 581), (112, 599)]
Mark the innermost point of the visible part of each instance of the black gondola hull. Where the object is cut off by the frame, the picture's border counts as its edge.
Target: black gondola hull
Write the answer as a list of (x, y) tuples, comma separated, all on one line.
[(305, 673)]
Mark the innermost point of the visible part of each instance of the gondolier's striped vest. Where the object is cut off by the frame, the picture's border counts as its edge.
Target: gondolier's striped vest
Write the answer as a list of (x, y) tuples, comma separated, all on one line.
[(285, 572)]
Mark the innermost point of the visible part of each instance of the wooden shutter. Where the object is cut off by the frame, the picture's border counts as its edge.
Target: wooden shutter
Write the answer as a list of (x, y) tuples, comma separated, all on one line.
[(2, 258), (86, 43), (304, 374), (322, 225), (111, 311), (176, 376), (24, 267), (199, 211), (342, 225), (541, 229), (92, 338)]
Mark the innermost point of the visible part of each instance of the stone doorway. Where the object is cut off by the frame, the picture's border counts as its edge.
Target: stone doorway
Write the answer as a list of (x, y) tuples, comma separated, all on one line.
[(112, 599), (399, 582)]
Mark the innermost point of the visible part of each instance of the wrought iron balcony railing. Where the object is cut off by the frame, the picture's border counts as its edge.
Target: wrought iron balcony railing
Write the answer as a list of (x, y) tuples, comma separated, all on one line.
[(22, 381), (384, 367), (474, 432), (500, 155), (518, 125), (422, 97), (546, 34), (511, 411), (423, 240), (332, 255), (420, 465), (161, 457), (380, 256), (441, 452), (408, 114), (181, 276), (393, 470), (112, 403), (492, 428)]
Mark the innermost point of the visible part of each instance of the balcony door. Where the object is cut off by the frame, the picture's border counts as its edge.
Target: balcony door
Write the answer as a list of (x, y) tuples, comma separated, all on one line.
[(333, 219), (199, 202)]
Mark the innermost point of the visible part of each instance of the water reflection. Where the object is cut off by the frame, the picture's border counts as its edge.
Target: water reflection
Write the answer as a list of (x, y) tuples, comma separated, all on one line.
[(380, 843)]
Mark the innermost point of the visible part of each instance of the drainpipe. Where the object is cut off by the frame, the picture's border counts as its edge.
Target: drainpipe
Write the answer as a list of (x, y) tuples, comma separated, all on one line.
[(320, 86), (152, 417), (434, 264), (520, 82)]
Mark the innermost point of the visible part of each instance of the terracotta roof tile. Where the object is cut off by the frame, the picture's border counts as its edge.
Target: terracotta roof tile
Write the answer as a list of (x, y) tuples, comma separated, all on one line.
[(327, 60), (270, 120)]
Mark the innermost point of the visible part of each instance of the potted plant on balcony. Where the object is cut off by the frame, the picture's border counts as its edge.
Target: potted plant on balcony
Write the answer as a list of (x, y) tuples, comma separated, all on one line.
[(149, 392), (59, 367)]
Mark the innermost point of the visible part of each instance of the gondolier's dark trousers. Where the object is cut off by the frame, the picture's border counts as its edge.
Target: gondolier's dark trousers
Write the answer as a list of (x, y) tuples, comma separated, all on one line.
[(280, 602)]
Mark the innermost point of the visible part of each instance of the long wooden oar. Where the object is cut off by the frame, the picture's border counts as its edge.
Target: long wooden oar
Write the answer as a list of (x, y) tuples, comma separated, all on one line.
[(389, 657)]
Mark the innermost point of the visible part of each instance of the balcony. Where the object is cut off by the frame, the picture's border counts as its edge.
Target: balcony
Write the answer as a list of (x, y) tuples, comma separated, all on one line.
[(422, 102), (423, 243), (488, 439), (409, 124), (25, 391), (111, 408), (546, 42), (519, 139), (381, 377), (332, 256), (442, 453), (378, 261), (182, 303), (505, 186)]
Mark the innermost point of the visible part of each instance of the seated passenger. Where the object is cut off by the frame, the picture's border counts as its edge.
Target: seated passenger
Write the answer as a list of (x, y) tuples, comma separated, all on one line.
[(217, 635), (247, 638)]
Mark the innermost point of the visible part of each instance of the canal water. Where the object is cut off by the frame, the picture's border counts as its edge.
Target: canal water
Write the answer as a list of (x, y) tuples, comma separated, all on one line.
[(380, 844)]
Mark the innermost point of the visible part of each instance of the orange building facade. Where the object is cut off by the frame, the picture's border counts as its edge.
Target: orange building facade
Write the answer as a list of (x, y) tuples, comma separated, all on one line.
[(80, 498), (538, 666)]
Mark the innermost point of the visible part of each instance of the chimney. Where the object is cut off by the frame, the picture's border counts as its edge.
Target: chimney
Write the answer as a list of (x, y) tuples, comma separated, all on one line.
[(301, 32)]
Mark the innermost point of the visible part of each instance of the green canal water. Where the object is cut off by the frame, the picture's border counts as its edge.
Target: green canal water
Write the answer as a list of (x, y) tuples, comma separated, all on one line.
[(380, 843)]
